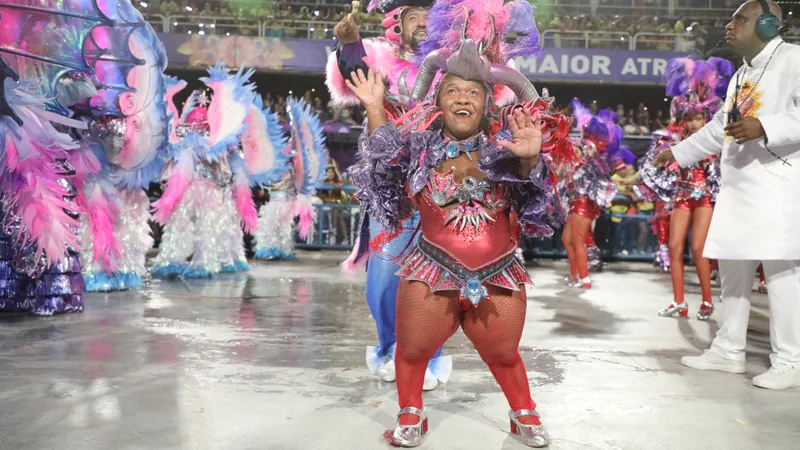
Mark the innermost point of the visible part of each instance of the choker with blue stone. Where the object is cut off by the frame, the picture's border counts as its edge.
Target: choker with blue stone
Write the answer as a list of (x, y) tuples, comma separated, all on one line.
[(453, 149)]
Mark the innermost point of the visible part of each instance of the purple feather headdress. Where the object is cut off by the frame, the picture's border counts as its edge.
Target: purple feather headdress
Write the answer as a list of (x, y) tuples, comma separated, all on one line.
[(697, 86), (601, 129)]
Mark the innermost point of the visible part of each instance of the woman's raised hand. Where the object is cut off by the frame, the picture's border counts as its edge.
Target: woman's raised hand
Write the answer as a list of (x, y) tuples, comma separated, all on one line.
[(526, 133), (369, 89)]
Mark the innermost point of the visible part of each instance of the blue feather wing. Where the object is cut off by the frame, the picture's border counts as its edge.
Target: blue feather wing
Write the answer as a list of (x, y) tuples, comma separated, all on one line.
[(131, 52), (311, 154), (278, 144)]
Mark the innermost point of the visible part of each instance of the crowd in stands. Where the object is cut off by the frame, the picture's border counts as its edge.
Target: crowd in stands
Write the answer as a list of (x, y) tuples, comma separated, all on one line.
[(330, 113), (567, 21)]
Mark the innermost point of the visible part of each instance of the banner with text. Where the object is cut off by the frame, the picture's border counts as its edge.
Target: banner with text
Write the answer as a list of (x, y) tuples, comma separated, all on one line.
[(302, 55)]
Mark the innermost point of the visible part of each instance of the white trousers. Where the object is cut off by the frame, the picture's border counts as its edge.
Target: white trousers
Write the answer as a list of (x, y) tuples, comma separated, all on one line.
[(783, 283)]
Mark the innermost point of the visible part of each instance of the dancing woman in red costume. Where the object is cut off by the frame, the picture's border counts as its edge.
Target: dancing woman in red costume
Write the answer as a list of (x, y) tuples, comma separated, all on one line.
[(464, 173), (587, 188), (696, 87)]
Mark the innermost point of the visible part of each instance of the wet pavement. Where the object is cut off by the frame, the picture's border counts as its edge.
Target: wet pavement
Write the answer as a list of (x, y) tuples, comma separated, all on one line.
[(274, 359)]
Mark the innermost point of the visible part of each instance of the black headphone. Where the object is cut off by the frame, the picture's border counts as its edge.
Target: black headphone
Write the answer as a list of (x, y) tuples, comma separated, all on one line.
[(767, 25)]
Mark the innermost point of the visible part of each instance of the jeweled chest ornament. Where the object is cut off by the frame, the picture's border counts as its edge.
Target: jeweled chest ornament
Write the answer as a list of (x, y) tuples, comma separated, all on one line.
[(472, 196)]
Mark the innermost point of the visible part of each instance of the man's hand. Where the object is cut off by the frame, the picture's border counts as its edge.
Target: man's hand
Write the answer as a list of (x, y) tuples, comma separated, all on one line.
[(745, 130), (664, 158), (346, 31)]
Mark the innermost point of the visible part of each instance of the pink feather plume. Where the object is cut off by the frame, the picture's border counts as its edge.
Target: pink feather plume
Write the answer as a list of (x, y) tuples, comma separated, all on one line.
[(177, 184), (38, 199), (304, 209), (340, 93), (381, 58), (244, 201), (480, 26), (102, 210), (350, 267), (85, 162)]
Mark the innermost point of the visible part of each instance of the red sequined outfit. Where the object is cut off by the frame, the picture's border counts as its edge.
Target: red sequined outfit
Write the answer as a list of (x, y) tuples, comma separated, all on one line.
[(583, 206), (693, 187)]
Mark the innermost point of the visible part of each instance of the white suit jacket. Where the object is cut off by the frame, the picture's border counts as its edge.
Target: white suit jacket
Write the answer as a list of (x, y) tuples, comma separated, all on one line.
[(757, 215)]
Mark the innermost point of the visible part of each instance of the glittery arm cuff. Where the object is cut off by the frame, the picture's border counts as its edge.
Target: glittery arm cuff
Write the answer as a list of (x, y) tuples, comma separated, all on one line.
[(532, 197)]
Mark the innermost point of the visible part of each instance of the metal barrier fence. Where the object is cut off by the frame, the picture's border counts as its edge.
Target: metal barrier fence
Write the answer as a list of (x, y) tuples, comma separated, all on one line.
[(619, 236)]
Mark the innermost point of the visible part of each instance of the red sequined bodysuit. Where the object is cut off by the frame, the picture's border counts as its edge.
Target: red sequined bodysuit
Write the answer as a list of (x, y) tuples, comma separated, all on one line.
[(466, 238)]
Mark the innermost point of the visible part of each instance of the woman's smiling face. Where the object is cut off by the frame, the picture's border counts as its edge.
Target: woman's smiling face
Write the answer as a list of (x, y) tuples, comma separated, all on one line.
[(462, 103)]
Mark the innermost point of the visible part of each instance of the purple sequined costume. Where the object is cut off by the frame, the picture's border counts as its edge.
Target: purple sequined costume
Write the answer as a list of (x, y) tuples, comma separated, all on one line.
[(28, 284)]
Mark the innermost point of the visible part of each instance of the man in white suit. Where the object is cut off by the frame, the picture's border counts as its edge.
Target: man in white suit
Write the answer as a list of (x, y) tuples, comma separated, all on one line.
[(757, 214)]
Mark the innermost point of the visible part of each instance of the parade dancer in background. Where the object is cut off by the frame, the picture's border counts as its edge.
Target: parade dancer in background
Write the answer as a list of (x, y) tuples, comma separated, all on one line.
[(128, 131), (223, 151), (697, 88), (294, 195), (40, 162), (462, 271), (587, 186)]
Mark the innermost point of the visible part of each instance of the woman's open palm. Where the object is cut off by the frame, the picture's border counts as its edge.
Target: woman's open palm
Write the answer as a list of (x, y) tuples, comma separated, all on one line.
[(369, 89), (526, 135)]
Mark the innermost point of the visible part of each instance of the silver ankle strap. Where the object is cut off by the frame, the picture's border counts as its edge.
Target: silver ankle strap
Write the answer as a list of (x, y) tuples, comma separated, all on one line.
[(525, 412), (411, 410)]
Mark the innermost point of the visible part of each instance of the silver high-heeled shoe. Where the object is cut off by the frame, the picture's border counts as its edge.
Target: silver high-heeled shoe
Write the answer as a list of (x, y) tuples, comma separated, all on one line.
[(410, 435), (675, 309), (705, 313), (532, 435)]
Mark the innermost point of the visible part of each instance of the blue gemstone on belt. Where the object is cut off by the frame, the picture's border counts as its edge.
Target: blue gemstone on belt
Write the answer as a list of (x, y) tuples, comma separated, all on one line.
[(474, 291)]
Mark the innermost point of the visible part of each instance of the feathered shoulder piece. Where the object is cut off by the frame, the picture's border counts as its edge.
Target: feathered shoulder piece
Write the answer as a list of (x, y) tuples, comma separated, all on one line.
[(266, 154), (697, 86), (555, 129)]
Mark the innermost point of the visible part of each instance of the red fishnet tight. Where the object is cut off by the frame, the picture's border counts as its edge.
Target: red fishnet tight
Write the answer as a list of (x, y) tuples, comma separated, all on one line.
[(425, 320)]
